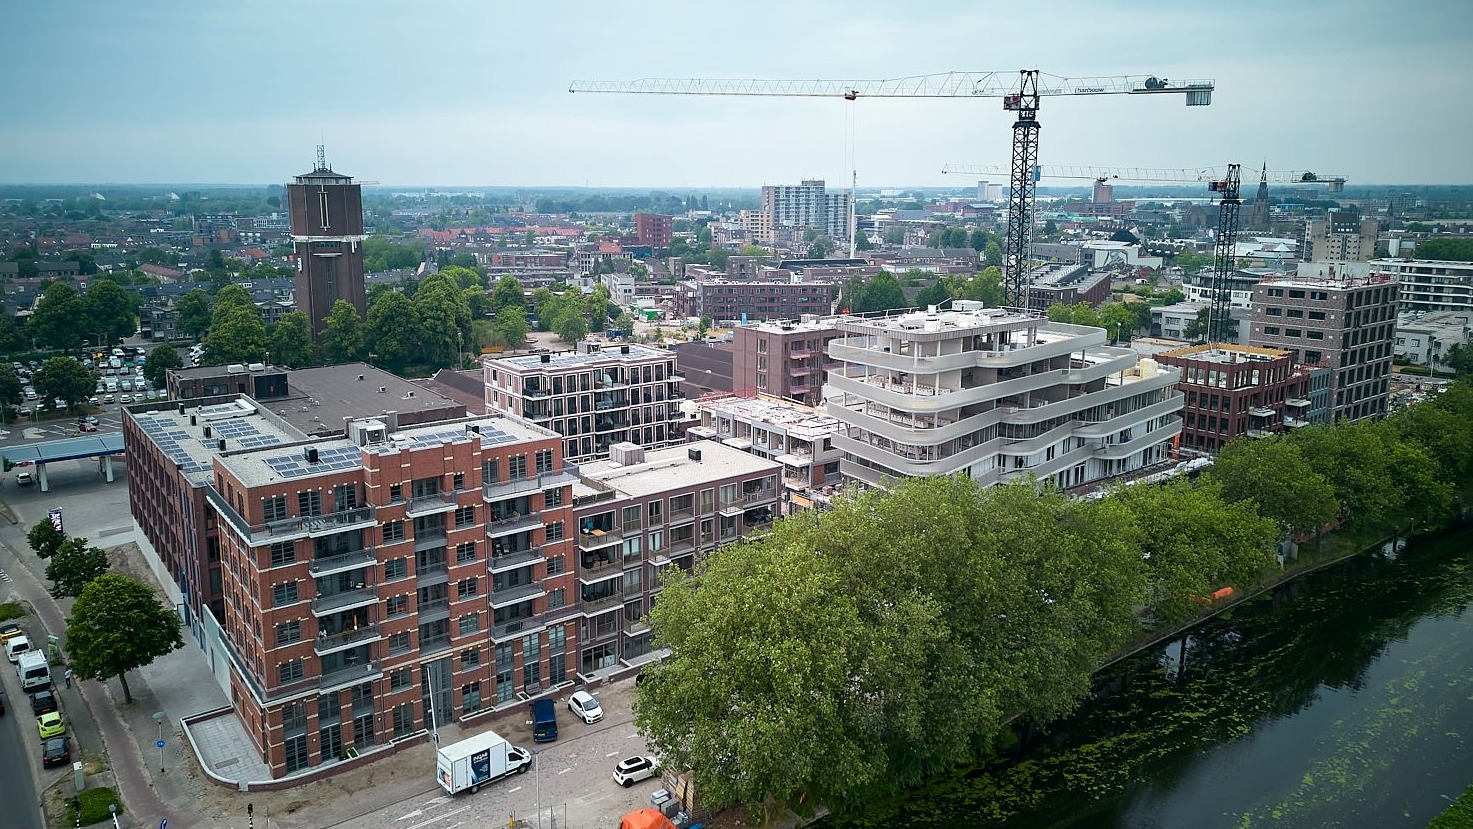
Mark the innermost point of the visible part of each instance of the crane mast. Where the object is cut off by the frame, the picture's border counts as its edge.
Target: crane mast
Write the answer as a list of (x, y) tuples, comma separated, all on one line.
[(1021, 96), (1224, 256)]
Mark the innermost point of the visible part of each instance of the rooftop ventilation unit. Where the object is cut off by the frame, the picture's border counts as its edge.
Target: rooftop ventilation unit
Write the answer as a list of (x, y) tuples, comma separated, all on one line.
[(694, 453)]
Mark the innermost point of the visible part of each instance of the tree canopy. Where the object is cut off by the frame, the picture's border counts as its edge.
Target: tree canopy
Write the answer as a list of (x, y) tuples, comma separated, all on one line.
[(291, 341), (59, 318), (193, 312), (118, 625), (64, 378), (161, 359), (74, 566), (342, 335)]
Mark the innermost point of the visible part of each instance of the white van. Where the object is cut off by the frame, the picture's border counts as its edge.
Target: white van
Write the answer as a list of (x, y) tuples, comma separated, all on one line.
[(112, 385), (35, 673), (15, 647)]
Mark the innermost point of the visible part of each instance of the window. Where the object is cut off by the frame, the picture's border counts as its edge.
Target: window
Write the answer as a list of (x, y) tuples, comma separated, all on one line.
[(396, 605), (469, 624), (708, 501), (403, 720), (397, 568), (470, 698), (653, 511), (1271, 329), (554, 531), (322, 209), (294, 716), (1316, 335), (273, 508), (1293, 332), (465, 516), (552, 498), (469, 658), (728, 494), (557, 565), (465, 588), (401, 679), (396, 493), (557, 597), (399, 642), (465, 552), (490, 472), (631, 517), (393, 531), (544, 460), (680, 504), (1317, 315), (516, 467), (457, 481), (284, 594), (288, 632), (1274, 311), (1275, 291), (345, 497), (657, 541), (289, 671), (1296, 313), (283, 552), (309, 503)]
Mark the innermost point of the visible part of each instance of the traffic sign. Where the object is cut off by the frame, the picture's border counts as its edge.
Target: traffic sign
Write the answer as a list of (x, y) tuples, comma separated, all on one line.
[(164, 823), (159, 744)]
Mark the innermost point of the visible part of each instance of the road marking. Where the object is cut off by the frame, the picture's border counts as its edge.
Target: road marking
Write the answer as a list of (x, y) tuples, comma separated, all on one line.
[(600, 797), (4, 576), (415, 813), (445, 816), (437, 801), (564, 771), (612, 754), (513, 791)]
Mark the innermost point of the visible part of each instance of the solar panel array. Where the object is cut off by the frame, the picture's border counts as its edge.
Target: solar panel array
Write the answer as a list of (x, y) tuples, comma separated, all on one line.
[(171, 438), (243, 432), (330, 459)]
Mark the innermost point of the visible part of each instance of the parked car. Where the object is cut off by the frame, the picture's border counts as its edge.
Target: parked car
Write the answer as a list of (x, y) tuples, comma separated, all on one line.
[(127, 398), (585, 706), (24, 479), (86, 427), (9, 631), (89, 419), (50, 725), (43, 702), (56, 751), (107, 399), (631, 770), (94, 400)]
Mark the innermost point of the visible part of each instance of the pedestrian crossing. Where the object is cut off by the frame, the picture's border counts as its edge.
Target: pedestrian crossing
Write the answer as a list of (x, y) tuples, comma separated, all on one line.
[(4, 577)]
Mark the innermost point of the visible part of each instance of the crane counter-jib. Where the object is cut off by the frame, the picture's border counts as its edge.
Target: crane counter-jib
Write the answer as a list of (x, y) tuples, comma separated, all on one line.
[(939, 85)]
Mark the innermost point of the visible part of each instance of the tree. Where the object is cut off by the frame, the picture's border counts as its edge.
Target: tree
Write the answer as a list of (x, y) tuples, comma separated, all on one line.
[(881, 293), (393, 332), (862, 242), (74, 566), (702, 327), (934, 294), (985, 287), (511, 326), (443, 317), (571, 327), (161, 360), (895, 235), (64, 378), (58, 320), (1273, 476), (1446, 248), (342, 334), (45, 539), (992, 255), (111, 312), (193, 310), (118, 625), (291, 340), (1379, 479), (237, 334), (508, 292), (1118, 319), (233, 295), (10, 392)]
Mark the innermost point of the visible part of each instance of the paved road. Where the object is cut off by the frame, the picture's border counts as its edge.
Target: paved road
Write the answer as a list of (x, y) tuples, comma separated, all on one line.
[(19, 752)]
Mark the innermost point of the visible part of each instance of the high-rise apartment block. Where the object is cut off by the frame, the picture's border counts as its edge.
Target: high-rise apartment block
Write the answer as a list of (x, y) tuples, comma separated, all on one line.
[(1428, 285), (595, 396), (653, 229), (784, 358), (790, 209), (326, 211), (641, 513), (995, 395), (1337, 314), (740, 301), (1236, 390), (1340, 237)]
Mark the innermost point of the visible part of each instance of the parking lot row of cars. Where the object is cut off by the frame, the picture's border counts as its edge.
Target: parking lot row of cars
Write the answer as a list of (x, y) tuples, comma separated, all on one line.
[(56, 747)]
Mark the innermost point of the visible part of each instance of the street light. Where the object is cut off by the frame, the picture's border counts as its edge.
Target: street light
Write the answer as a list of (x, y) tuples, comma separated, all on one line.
[(537, 783)]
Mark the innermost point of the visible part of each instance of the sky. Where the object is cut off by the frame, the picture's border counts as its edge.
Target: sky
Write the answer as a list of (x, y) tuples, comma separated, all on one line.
[(474, 92)]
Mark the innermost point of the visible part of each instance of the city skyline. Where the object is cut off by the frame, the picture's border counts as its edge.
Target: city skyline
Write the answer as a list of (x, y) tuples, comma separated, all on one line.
[(473, 95)]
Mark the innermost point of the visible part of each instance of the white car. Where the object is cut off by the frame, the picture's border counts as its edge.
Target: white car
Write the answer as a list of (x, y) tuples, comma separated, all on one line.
[(585, 707), (631, 770)]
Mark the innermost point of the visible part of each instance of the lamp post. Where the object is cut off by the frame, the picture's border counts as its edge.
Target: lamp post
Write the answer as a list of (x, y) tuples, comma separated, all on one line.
[(537, 783)]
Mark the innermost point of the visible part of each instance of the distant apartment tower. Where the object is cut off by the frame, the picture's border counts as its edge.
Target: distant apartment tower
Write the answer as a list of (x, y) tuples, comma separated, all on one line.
[(1341, 315), (1103, 192), (1235, 390), (737, 301), (653, 229), (326, 210), (595, 396), (790, 209), (1429, 286), (1340, 237), (995, 395), (783, 358), (987, 191)]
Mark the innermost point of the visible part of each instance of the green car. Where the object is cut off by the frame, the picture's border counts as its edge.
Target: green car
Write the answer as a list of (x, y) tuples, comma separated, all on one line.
[(50, 725)]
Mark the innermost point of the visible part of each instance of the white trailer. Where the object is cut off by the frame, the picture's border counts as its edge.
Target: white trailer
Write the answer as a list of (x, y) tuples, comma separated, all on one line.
[(476, 761)]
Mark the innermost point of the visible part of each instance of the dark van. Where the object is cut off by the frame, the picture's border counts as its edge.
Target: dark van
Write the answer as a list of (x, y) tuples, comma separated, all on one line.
[(544, 721)]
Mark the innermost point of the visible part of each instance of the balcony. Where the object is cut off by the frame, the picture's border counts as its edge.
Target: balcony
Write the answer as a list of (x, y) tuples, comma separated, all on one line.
[(598, 603), (1261, 411), (363, 595), (427, 537), (350, 675), (517, 593), (759, 496), (512, 524), (1296, 402), (591, 573), (362, 635), (531, 392), (516, 627), (289, 529), (497, 490), (598, 539), (799, 370), (511, 559), (733, 508), (342, 562), (681, 546), (634, 627), (430, 504), (799, 353)]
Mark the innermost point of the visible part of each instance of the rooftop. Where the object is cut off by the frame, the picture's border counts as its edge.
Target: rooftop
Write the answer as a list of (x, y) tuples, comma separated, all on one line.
[(320, 399), (789, 326), (804, 422), (1226, 354), (668, 469), (182, 434), (581, 358)]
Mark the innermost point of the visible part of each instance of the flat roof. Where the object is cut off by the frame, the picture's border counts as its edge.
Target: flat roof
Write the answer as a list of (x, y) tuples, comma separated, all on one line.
[(66, 449), (238, 423), (318, 400), (1226, 353), (797, 420), (671, 468), (789, 326), (578, 359)]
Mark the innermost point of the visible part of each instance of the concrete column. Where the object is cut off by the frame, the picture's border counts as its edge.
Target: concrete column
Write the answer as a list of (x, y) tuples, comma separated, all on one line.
[(41, 476), (107, 467)]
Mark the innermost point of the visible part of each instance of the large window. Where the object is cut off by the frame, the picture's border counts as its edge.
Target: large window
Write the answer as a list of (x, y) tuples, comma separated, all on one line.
[(273, 508), (288, 632), (283, 552), (284, 594), (309, 503)]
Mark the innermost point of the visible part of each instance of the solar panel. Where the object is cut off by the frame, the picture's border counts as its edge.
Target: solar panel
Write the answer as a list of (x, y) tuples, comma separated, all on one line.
[(329, 459)]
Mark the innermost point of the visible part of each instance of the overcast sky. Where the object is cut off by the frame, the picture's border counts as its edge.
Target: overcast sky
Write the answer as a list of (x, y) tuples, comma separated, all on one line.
[(474, 92)]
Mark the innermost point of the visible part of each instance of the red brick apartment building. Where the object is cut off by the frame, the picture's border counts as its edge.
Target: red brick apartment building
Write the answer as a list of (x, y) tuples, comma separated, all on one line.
[(784, 358), (653, 229), (1235, 390)]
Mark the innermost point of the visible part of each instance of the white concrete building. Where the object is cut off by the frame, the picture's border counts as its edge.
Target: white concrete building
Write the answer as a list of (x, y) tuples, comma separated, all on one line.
[(996, 395), (1424, 339), (1429, 285)]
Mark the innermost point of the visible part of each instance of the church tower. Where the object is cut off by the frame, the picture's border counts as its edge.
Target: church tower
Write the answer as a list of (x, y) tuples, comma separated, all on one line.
[(326, 210), (1259, 217)]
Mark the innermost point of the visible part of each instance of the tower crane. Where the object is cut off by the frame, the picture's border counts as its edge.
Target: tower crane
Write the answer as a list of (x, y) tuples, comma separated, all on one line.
[(1021, 94), (1227, 187)]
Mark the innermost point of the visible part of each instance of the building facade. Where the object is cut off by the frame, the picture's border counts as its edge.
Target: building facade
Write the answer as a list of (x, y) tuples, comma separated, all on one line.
[(595, 396), (642, 512), (1336, 314), (326, 211), (1231, 390), (653, 229), (789, 209), (995, 395), (1428, 286), (1340, 237), (783, 358), (1066, 285), (799, 437), (750, 301)]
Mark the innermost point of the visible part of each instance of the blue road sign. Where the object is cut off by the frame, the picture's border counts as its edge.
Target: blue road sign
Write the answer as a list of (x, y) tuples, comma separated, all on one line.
[(159, 744)]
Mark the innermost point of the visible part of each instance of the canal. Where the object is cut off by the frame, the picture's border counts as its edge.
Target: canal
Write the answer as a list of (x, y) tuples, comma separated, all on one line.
[(1344, 699)]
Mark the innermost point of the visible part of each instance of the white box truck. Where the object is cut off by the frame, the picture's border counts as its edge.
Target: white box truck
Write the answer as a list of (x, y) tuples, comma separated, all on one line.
[(476, 761), (35, 674)]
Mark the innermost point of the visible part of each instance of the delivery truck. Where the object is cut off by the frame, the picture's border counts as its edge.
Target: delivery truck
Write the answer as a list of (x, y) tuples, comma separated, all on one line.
[(476, 761)]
